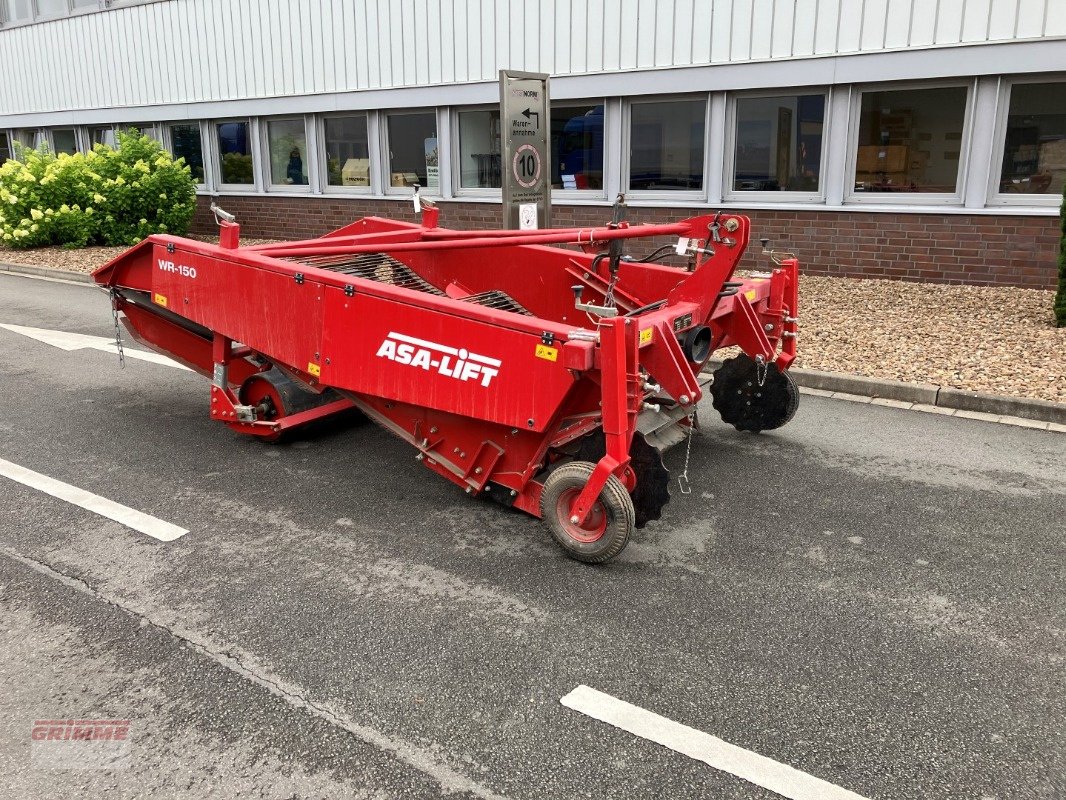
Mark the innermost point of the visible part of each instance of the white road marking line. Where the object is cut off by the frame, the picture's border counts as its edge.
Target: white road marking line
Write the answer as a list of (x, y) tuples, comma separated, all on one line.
[(131, 518), (760, 770), (65, 340)]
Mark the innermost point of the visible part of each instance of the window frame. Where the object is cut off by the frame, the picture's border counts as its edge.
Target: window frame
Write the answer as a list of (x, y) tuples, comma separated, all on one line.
[(458, 190), (997, 198), (323, 156), (732, 195), (683, 196), (267, 178), (256, 186), (565, 195), (168, 144), (385, 153), (910, 199)]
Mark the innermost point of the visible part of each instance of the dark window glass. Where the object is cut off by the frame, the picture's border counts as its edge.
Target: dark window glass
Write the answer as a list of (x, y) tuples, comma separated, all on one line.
[(1034, 155), (413, 150), (347, 151), (65, 140), (235, 154), (778, 146), (5, 147), (185, 143), (577, 147), (666, 145), (910, 140)]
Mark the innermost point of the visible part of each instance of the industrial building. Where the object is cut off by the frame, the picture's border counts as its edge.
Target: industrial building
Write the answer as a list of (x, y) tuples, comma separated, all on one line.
[(918, 139)]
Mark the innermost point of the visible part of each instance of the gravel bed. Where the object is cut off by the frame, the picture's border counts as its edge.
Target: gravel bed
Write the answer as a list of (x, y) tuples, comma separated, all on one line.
[(984, 339)]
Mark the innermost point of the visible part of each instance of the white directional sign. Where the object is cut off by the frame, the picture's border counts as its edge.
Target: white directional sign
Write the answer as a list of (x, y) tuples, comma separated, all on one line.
[(525, 116)]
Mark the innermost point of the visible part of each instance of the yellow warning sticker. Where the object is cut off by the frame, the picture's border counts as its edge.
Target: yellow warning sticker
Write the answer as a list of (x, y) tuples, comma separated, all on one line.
[(645, 336), (159, 300), (752, 295), (547, 353), (313, 369)]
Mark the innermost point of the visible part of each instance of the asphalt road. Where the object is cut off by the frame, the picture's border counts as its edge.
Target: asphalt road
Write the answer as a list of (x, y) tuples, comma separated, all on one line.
[(872, 596)]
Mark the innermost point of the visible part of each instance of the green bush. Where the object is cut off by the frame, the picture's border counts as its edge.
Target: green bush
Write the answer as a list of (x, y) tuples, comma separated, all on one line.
[(111, 196), (1060, 298)]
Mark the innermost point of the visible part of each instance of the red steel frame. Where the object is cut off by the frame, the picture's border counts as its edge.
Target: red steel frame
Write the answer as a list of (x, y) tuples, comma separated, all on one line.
[(230, 312)]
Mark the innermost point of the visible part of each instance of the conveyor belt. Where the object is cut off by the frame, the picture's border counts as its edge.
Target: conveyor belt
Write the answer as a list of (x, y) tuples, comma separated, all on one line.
[(498, 300), (386, 269), (372, 267)]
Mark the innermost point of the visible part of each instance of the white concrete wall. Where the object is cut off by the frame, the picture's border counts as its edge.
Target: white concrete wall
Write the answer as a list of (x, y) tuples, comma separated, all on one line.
[(196, 51)]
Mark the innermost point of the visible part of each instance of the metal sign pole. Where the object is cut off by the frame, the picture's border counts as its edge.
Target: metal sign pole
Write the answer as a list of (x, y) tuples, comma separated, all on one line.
[(525, 116)]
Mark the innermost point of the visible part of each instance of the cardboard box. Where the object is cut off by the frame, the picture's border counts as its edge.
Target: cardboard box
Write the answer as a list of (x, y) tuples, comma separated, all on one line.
[(356, 172), (404, 179), (875, 158)]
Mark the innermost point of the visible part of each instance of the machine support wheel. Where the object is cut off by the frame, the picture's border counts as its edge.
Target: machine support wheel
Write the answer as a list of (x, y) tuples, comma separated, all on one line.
[(610, 522), (750, 401)]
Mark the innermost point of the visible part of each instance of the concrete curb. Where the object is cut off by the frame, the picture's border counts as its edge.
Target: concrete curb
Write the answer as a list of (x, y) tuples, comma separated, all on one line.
[(46, 272), (924, 394)]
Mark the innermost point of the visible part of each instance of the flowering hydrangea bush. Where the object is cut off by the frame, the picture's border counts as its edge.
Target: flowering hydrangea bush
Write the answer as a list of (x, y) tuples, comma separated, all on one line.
[(111, 196)]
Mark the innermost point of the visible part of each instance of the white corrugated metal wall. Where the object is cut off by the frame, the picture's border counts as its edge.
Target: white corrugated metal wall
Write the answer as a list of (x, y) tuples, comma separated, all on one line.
[(185, 51)]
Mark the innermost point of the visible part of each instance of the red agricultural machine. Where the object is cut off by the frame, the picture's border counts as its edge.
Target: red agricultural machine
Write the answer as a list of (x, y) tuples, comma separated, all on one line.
[(547, 378)]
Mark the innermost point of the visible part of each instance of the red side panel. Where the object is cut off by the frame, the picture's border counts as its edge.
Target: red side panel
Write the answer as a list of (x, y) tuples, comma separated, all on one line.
[(267, 310), (402, 352)]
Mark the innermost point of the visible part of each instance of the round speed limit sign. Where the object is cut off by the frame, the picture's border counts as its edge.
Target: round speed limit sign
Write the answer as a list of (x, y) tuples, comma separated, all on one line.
[(526, 166)]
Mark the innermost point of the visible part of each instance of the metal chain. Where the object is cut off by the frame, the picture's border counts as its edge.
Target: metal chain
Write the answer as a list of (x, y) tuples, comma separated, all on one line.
[(118, 330), (682, 479), (760, 370), (608, 298)]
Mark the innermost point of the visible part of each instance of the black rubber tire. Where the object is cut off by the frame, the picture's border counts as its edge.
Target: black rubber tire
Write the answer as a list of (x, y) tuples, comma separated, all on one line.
[(748, 407), (614, 504)]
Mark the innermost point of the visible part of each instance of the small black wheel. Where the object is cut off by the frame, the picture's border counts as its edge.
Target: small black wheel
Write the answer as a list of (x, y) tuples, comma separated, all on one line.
[(748, 404), (605, 532)]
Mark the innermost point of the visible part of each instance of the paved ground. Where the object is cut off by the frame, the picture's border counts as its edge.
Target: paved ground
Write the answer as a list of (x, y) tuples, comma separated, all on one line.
[(870, 595)]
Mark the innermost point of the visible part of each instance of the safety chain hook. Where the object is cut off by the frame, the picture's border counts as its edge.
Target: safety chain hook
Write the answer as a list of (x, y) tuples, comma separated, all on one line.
[(682, 479), (760, 370), (118, 331)]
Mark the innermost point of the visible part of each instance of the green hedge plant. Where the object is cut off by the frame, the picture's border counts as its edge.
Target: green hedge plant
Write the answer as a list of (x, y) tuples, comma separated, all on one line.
[(111, 196)]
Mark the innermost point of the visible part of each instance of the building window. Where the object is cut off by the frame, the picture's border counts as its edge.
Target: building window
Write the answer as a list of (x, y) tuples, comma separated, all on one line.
[(910, 140), (577, 146), (347, 151), (666, 145), (287, 145), (1034, 153), (5, 147), (51, 8), (185, 143), (64, 140), (105, 136), (16, 10), (479, 149), (413, 156), (235, 154), (778, 143), (84, 3)]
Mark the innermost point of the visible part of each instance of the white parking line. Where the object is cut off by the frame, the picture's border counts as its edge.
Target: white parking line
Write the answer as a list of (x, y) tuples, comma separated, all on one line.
[(760, 770), (131, 518)]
